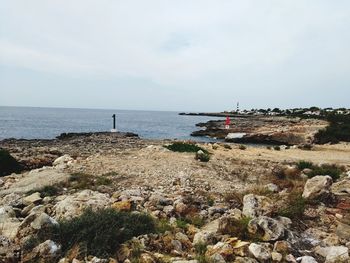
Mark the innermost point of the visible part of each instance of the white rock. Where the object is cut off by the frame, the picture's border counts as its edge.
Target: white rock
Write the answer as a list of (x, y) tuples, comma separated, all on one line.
[(255, 205), (261, 251), (32, 199), (317, 186), (306, 259), (62, 161), (73, 205), (271, 228), (334, 253)]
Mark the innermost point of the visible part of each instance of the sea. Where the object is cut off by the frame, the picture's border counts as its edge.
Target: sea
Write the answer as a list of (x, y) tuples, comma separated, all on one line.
[(47, 123)]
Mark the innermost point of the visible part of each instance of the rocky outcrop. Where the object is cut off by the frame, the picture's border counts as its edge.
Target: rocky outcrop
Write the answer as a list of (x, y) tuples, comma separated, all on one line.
[(263, 129), (317, 186)]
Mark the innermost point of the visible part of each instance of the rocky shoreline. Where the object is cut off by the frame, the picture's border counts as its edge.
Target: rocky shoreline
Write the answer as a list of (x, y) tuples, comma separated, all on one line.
[(263, 130), (243, 205)]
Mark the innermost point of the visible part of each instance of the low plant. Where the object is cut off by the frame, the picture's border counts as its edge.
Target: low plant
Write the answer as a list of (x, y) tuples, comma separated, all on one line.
[(49, 190), (181, 223), (184, 147), (295, 206), (304, 165), (235, 199), (227, 146), (101, 232), (163, 226), (200, 250), (277, 148), (326, 169), (202, 156), (242, 147), (8, 164)]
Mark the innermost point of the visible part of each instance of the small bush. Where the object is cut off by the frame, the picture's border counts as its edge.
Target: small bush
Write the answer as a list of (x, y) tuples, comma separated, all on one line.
[(102, 232), (235, 199), (227, 146), (277, 148), (294, 209), (163, 225), (237, 228), (200, 249), (242, 147), (8, 164), (184, 147), (304, 165), (103, 181), (181, 223), (49, 190), (331, 170), (202, 156)]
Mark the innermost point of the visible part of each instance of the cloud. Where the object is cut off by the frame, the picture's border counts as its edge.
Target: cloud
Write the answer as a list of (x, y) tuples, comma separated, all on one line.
[(180, 43)]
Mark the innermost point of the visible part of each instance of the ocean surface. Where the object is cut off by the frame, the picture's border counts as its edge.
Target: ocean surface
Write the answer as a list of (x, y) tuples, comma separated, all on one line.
[(47, 123)]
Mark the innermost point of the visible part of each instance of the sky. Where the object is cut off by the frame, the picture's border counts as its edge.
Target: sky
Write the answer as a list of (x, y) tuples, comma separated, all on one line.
[(178, 55)]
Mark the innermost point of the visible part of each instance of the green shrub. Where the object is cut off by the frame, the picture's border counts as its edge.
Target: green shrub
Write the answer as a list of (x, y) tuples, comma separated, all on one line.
[(338, 130), (294, 208), (242, 147), (200, 249), (326, 169), (163, 225), (49, 190), (184, 147), (8, 164), (227, 146), (103, 181), (304, 165), (181, 223), (101, 232), (202, 156), (277, 148)]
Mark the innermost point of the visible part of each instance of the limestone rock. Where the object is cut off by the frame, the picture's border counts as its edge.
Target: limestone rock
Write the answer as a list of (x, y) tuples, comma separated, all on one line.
[(63, 161), (8, 222), (73, 205), (306, 259), (334, 253), (317, 186), (44, 252), (343, 231), (255, 205), (34, 198), (342, 187), (272, 229), (261, 252)]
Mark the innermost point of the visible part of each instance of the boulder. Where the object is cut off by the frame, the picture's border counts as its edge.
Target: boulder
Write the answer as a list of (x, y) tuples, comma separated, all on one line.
[(333, 253), (73, 205), (317, 186), (34, 198), (63, 161), (343, 231), (341, 188), (262, 251), (47, 251), (306, 259), (270, 228), (255, 205), (8, 222)]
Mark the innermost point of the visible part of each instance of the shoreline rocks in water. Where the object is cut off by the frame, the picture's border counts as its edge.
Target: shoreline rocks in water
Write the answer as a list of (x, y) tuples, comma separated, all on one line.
[(263, 129)]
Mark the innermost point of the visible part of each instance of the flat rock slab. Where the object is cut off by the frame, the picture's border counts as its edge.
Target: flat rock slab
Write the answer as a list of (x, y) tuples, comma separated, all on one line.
[(34, 180)]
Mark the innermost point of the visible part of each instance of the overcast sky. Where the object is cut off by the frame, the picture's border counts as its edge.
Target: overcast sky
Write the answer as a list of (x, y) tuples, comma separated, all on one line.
[(191, 55)]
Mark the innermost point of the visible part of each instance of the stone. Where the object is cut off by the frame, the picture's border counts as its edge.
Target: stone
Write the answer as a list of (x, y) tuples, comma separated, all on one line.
[(244, 260), (63, 161), (341, 188), (272, 187), (73, 205), (343, 231), (255, 205), (124, 206), (290, 258), (306, 259), (147, 258), (282, 246), (34, 198), (203, 237), (217, 258), (44, 252), (275, 256), (186, 261), (13, 199), (8, 222), (317, 186), (261, 252), (333, 254), (272, 229)]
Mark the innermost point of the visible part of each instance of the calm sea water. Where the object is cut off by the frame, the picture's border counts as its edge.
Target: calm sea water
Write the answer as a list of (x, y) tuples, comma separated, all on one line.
[(47, 123)]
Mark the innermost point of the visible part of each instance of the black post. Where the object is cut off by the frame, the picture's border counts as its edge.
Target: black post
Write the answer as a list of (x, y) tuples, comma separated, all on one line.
[(113, 121)]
